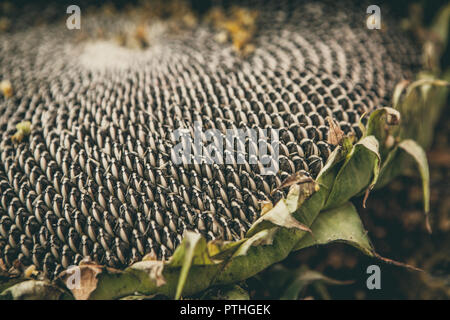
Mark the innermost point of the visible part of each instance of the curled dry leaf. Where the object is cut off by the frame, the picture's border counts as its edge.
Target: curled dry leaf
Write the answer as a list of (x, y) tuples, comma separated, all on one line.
[(33, 290), (335, 134), (154, 269), (296, 178), (392, 117), (84, 280), (281, 214), (366, 196)]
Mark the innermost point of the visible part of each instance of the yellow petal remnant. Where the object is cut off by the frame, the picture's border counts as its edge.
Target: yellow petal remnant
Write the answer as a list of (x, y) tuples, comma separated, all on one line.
[(24, 126), (23, 130), (239, 25), (31, 272), (6, 88)]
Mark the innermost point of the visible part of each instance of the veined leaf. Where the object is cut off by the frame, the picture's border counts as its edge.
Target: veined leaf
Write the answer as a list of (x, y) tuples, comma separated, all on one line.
[(360, 171), (308, 212), (395, 163), (193, 249), (419, 156), (281, 214), (379, 122), (339, 224)]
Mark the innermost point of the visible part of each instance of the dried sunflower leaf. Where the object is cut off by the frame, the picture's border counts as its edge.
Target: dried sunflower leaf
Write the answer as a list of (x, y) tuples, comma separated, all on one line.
[(398, 91), (296, 178), (192, 250), (395, 165), (264, 237), (343, 224), (421, 106), (87, 275), (418, 154), (145, 277), (335, 134), (309, 210), (380, 122), (33, 290), (339, 224), (359, 171), (427, 83), (281, 214), (264, 249), (220, 250)]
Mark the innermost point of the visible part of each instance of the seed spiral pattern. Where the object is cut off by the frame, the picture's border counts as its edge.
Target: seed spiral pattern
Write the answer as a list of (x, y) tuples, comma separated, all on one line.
[(95, 178)]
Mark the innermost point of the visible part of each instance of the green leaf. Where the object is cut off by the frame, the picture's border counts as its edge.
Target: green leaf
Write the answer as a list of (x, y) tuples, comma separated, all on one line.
[(343, 224), (441, 24), (263, 237), (308, 212), (360, 171), (425, 84), (221, 250), (392, 167), (396, 162), (192, 250), (379, 122), (419, 156), (398, 92), (144, 277), (231, 292), (281, 214), (339, 224), (268, 247), (33, 290), (420, 107)]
